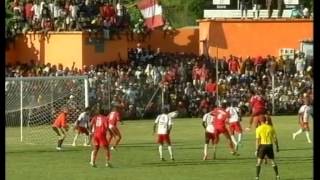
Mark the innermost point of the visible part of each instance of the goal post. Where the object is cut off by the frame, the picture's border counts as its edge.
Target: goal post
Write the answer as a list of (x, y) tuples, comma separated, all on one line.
[(32, 103)]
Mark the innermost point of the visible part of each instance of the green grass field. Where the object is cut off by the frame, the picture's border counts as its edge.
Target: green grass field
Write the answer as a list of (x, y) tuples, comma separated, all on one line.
[(137, 157)]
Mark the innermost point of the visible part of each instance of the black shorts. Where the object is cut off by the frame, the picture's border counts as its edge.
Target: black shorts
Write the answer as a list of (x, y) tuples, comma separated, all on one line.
[(265, 149)]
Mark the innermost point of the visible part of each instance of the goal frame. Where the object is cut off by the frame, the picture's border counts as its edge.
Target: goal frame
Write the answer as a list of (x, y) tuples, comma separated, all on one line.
[(20, 80)]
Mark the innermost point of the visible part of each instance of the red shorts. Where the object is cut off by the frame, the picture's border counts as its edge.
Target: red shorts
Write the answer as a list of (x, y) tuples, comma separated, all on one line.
[(164, 138), (210, 136), (235, 127), (100, 141), (304, 125), (82, 130), (258, 111), (217, 133)]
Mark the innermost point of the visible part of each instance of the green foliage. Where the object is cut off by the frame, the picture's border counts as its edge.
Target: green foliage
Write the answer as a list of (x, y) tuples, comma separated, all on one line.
[(135, 15), (196, 7)]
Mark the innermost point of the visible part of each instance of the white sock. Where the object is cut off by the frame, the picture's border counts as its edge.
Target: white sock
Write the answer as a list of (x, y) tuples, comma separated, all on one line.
[(91, 159), (233, 140), (214, 150), (205, 150), (160, 151), (298, 132), (308, 136), (86, 140), (239, 138), (170, 151), (75, 138)]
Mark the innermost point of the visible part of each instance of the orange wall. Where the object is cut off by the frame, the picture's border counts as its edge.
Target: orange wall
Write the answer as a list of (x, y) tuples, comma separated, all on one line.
[(66, 47), (59, 48), (182, 40), (112, 50), (253, 37), (240, 38)]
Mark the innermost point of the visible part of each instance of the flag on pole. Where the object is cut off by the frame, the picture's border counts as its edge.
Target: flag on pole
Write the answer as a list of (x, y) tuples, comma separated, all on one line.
[(151, 12)]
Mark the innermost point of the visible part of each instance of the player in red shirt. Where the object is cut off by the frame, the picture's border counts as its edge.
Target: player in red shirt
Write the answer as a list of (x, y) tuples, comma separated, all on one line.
[(100, 126), (60, 126), (114, 119), (221, 117), (258, 107)]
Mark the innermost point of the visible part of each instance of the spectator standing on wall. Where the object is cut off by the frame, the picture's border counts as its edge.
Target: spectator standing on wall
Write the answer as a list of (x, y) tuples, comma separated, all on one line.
[(73, 10), (36, 11), (244, 8), (306, 13), (256, 8), (269, 4), (119, 14), (296, 12), (280, 4), (28, 11)]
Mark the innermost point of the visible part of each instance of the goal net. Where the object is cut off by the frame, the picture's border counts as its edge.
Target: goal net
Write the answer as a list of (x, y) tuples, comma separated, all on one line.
[(32, 104)]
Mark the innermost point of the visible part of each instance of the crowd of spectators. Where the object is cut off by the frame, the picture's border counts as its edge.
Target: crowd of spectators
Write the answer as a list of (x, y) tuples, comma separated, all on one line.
[(105, 18), (186, 82)]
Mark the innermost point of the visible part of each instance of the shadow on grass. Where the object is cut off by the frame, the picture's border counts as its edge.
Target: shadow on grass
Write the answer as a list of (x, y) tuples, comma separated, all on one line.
[(297, 149), (236, 160), (296, 178), (45, 151)]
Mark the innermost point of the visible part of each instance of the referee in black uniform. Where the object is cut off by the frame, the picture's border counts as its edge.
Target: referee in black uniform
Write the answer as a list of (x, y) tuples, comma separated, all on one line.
[(265, 137)]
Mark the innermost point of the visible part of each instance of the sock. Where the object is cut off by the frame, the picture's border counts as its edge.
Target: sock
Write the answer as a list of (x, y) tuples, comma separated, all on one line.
[(205, 150), (214, 151), (233, 140), (298, 132), (107, 156), (275, 168), (258, 171), (231, 146), (239, 138), (160, 151), (86, 140), (170, 152), (59, 143), (75, 138), (308, 136), (92, 157)]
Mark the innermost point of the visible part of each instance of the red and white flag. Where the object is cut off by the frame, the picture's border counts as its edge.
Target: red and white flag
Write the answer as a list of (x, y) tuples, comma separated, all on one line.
[(151, 12)]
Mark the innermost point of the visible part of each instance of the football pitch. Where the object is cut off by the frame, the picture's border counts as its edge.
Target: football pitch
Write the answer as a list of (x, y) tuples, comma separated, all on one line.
[(137, 157)]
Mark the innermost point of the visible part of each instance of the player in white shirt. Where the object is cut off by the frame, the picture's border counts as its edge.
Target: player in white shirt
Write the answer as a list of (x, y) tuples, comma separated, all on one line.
[(234, 124), (207, 123), (163, 125), (304, 117), (81, 126)]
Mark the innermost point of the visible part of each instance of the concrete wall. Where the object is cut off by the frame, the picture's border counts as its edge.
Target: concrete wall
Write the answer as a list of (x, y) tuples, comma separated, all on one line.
[(69, 47), (182, 40), (215, 37), (252, 37)]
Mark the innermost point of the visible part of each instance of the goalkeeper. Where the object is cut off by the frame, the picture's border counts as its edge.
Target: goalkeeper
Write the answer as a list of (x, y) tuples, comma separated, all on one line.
[(81, 126), (60, 126)]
